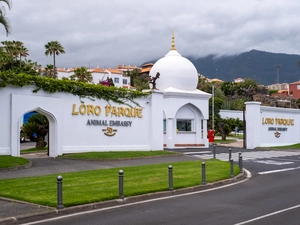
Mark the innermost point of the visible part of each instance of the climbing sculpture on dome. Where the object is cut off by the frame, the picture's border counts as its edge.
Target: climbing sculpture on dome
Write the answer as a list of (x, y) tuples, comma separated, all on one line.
[(152, 80)]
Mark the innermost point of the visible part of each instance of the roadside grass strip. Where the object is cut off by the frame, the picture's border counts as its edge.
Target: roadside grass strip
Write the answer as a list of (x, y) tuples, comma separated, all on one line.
[(100, 185), (10, 161), (30, 150), (224, 141), (294, 146)]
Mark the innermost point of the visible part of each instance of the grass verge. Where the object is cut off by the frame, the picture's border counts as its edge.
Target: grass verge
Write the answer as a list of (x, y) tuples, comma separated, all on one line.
[(7, 161), (100, 185), (224, 141), (30, 150), (116, 155), (295, 146)]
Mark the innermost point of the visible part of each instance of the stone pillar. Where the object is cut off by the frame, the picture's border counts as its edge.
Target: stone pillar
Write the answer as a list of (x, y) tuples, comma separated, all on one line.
[(171, 132), (156, 121), (205, 140), (253, 124)]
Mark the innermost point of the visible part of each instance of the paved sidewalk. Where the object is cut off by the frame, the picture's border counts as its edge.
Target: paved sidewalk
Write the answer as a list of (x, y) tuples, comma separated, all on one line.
[(237, 144)]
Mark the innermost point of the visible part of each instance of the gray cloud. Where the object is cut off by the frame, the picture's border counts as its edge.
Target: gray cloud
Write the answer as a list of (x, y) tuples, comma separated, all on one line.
[(108, 33)]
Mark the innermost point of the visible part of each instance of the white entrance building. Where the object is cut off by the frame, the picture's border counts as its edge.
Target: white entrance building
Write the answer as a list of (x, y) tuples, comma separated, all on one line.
[(174, 115)]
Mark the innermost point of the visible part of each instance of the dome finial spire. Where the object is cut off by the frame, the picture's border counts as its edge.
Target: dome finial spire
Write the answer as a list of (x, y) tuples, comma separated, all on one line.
[(173, 42)]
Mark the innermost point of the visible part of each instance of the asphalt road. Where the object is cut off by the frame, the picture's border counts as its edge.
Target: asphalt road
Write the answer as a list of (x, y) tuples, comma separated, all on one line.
[(270, 196)]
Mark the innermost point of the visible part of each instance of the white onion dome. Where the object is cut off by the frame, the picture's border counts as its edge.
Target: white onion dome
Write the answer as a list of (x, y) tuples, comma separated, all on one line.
[(175, 71)]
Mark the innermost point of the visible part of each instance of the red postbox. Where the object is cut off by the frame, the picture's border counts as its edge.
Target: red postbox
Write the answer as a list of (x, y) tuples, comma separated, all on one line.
[(211, 135)]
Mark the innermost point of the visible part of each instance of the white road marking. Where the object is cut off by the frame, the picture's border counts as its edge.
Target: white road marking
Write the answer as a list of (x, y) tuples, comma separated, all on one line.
[(273, 162), (268, 215), (141, 202), (278, 171)]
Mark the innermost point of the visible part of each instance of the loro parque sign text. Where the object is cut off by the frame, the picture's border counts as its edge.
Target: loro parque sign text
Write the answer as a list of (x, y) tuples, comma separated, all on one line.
[(281, 124), (110, 111)]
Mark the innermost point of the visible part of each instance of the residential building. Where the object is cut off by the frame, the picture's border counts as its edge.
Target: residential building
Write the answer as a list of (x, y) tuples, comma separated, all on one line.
[(294, 89), (100, 74)]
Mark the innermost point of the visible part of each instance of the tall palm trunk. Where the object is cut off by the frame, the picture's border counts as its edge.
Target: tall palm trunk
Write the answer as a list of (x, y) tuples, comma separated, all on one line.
[(54, 67)]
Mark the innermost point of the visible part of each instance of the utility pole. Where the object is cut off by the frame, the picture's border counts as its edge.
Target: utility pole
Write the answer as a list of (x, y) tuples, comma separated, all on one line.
[(213, 107), (277, 66)]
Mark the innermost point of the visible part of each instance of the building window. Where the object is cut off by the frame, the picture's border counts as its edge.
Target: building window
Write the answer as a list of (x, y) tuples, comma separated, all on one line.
[(124, 81), (184, 125), (116, 80), (298, 86), (165, 125)]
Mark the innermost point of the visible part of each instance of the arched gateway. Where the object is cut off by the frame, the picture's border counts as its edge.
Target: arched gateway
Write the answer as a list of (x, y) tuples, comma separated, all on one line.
[(22, 103)]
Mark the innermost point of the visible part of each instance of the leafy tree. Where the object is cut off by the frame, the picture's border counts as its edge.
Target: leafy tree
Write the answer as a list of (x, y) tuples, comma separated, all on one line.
[(37, 124), (54, 48), (49, 72), (141, 82), (238, 93), (238, 104), (217, 106), (82, 74), (14, 50), (203, 85), (3, 20), (273, 92), (223, 128), (29, 67), (23, 52), (5, 59), (233, 123), (137, 80)]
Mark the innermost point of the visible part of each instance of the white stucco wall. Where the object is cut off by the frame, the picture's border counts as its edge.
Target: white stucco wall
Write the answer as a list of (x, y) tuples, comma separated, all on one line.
[(231, 114), (70, 133), (271, 126)]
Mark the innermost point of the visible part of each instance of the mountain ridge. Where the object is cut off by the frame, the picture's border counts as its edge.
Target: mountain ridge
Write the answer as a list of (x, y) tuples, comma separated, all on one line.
[(255, 64)]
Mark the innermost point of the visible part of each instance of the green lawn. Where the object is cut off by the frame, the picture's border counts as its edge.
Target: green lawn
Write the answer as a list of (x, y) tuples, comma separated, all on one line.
[(100, 185), (295, 146), (224, 142), (30, 150), (10, 161)]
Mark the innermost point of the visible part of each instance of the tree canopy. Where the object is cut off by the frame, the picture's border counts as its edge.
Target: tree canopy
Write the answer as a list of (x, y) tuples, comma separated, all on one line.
[(3, 20)]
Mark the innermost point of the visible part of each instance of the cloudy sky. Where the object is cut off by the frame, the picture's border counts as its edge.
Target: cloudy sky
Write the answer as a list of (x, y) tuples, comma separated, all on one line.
[(131, 32)]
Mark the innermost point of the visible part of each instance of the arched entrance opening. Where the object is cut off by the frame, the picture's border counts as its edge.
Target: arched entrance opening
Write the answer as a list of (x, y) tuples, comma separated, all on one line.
[(45, 133), (189, 126), (185, 126)]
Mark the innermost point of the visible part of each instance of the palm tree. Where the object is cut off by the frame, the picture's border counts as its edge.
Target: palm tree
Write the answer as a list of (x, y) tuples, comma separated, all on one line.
[(36, 129), (15, 49), (3, 20), (23, 52), (82, 74), (49, 71), (54, 48), (9, 48)]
